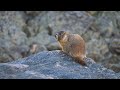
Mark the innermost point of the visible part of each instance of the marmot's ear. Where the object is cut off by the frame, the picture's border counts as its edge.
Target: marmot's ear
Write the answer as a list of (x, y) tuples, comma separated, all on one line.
[(62, 33)]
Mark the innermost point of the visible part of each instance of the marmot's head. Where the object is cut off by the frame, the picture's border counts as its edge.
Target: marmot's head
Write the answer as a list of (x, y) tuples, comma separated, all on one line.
[(61, 36)]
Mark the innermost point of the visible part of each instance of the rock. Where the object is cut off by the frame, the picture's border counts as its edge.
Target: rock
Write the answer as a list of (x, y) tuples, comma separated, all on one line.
[(114, 46), (11, 35), (107, 26), (97, 49), (53, 46), (112, 62), (107, 23), (42, 38), (71, 21), (54, 65), (115, 67)]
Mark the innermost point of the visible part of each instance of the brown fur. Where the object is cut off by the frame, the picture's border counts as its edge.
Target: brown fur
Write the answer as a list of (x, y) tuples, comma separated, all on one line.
[(73, 45)]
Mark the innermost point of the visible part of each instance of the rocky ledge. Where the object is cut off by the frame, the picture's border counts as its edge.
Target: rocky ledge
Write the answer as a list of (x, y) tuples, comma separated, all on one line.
[(54, 65)]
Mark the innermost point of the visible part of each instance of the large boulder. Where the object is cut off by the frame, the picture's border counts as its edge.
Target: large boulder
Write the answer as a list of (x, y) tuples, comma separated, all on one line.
[(54, 65)]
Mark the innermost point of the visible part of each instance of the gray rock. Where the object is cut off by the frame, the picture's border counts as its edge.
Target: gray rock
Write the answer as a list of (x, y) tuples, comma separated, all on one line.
[(71, 21), (11, 35), (54, 65), (97, 49), (53, 46), (115, 46), (107, 23), (107, 48)]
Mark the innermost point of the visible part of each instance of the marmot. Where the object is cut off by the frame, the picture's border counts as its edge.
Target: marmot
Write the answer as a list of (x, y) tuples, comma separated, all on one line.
[(73, 45)]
